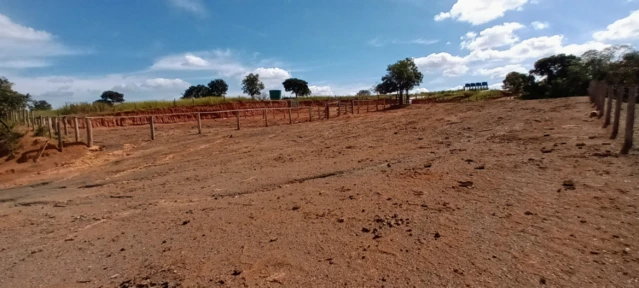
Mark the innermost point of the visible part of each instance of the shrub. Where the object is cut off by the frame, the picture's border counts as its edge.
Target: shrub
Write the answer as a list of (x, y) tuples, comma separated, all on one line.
[(9, 141), (41, 131)]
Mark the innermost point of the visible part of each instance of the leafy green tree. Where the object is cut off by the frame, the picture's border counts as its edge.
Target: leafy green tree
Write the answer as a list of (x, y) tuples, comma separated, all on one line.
[(404, 76), (515, 82), (41, 105), (386, 87), (298, 86), (364, 93), (111, 97), (11, 100), (218, 87), (198, 91), (252, 85)]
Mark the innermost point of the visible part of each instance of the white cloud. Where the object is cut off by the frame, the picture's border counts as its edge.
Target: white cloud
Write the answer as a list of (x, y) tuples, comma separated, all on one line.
[(450, 65), (321, 90), (479, 12), (526, 49), (496, 86), (379, 42), (539, 25), (191, 6), (272, 77), (62, 89), (622, 29), (496, 36), (221, 61), (580, 49), (500, 72), (25, 47), (419, 90)]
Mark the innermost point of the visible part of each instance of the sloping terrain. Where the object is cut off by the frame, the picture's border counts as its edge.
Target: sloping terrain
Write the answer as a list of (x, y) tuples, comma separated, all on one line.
[(487, 194)]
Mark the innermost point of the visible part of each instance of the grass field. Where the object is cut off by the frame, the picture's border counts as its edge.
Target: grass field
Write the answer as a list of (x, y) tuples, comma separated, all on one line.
[(101, 108)]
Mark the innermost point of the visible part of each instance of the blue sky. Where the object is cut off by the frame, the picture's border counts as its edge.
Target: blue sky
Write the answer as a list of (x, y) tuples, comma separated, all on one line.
[(72, 50)]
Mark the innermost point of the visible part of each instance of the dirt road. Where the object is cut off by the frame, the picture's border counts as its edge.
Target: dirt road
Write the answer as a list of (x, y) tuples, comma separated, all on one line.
[(491, 194)]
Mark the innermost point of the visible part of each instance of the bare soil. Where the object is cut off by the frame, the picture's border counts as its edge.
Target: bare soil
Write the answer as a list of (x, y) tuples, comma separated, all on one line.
[(489, 194)]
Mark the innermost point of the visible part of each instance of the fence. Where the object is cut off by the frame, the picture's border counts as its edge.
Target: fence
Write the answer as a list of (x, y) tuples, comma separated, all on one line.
[(306, 111), (604, 96)]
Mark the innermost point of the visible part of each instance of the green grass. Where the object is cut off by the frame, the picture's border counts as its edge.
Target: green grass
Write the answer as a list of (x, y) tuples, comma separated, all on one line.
[(86, 108)]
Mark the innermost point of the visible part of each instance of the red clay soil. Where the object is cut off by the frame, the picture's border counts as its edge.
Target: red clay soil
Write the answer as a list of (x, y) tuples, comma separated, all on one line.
[(488, 194)]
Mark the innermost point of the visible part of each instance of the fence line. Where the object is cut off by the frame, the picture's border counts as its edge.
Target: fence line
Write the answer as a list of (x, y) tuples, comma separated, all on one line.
[(598, 92), (60, 124)]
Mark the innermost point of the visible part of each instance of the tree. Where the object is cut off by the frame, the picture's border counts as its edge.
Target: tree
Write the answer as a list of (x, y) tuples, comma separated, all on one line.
[(364, 93), (218, 87), (111, 97), (386, 87), (402, 76), (563, 75), (515, 82), (252, 85), (298, 86), (41, 105), (198, 91), (10, 100)]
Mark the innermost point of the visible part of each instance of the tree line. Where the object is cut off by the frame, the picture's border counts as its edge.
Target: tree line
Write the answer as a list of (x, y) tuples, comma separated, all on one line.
[(568, 75), (251, 86)]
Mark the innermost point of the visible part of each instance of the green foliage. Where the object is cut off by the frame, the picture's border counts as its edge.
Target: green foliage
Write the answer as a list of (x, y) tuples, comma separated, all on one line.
[(298, 86), (252, 85), (40, 105), (111, 97), (568, 75), (41, 131), (401, 76), (11, 100), (9, 141), (515, 82), (198, 91), (218, 87), (364, 93)]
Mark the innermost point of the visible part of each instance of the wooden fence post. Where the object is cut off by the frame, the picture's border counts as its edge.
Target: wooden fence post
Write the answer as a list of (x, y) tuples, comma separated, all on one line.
[(602, 100), (290, 119), (33, 120), (352, 106), (89, 132), (608, 107), (384, 104), (310, 113), (152, 126), (327, 111), (59, 130), (199, 124), (630, 120), (265, 117), (618, 102), (66, 132), (50, 126), (237, 117), (77, 129), (358, 104), (376, 105)]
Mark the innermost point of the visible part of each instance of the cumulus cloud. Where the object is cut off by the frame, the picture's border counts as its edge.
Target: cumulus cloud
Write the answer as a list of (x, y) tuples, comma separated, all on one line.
[(272, 77), (622, 29), (25, 47), (496, 36), (479, 12), (448, 64), (539, 25), (321, 90), (61, 89), (419, 90), (222, 62)]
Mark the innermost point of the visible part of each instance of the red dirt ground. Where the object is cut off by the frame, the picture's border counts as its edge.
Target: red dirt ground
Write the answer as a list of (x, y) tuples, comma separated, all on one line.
[(454, 195)]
